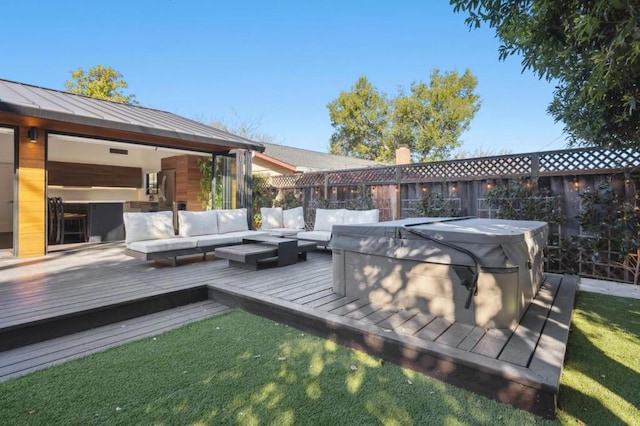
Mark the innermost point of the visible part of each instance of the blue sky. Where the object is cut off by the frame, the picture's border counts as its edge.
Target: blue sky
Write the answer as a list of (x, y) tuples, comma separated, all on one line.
[(279, 62)]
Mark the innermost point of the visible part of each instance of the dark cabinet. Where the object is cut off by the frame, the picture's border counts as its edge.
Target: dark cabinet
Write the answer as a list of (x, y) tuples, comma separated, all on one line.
[(105, 222), (81, 174)]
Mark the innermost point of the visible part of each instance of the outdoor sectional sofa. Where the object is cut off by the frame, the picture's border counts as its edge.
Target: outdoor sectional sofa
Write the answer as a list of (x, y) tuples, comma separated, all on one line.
[(152, 236), (326, 218)]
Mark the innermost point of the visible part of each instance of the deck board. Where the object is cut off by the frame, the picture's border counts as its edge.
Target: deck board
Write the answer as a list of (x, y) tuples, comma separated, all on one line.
[(455, 334), (24, 360)]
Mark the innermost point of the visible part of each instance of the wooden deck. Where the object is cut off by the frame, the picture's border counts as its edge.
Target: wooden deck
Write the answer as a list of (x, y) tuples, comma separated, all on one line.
[(99, 294)]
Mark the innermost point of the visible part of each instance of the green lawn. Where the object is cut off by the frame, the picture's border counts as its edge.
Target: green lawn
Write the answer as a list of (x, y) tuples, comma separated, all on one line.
[(601, 378), (241, 369)]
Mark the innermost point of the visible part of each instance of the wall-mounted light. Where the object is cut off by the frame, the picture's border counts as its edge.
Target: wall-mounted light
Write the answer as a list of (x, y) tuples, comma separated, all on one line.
[(397, 189), (454, 187), (33, 134), (576, 182), (424, 189), (489, 184)]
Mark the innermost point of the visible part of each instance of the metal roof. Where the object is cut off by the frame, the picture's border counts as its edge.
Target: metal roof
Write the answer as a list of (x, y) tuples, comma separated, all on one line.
[(34, 101), (306, 160)]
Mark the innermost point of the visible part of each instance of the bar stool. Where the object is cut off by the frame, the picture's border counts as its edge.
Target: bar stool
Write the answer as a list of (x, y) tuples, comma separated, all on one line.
[(74, 224), (70, 224)]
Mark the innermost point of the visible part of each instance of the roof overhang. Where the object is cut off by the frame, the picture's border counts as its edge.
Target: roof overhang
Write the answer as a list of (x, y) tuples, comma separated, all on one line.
[(275, 161), (61, 107)]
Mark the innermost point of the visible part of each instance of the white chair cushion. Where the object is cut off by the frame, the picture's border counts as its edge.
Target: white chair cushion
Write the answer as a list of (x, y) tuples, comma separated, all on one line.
[(271, 217), (284, 232), (191, 224), (214, 240), (293, 218), (154, 246), (321, 236), (140, 226), (352, 217), (326, 218), (232, 220)]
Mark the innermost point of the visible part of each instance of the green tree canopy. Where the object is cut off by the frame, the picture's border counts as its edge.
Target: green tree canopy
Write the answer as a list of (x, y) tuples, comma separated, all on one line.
[(361, 120), (100, 82), (429, 119), (590, 47)]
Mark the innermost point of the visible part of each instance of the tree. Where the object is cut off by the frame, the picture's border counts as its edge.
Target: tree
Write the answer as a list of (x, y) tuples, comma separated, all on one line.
[(100, 82), (481, 152), (431, 119), (360, 119), (590, 47), (246, 128)]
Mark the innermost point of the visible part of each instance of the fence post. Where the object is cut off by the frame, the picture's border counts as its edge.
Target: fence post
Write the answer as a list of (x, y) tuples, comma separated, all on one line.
[(535, 167), (398, 190), (326, 185)]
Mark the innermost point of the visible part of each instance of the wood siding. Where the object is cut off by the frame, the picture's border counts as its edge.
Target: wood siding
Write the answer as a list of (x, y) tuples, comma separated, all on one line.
[(188, 177), (31, 195)]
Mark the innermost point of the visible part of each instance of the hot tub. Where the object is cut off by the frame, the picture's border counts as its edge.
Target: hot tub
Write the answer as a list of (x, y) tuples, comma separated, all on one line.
[(483, 272)]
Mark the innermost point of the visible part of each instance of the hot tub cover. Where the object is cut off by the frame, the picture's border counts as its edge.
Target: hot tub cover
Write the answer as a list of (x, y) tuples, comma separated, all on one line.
[(496, 243)]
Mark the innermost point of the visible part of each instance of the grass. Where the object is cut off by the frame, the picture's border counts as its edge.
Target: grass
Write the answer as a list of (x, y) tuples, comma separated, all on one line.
[(601, 378), (241, 369)]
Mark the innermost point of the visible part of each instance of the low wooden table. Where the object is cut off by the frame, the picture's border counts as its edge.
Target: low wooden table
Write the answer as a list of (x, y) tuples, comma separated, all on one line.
[(265, 251)]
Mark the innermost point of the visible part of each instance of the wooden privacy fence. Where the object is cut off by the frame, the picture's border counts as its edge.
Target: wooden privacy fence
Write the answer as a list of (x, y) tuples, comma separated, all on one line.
[(398, 189)]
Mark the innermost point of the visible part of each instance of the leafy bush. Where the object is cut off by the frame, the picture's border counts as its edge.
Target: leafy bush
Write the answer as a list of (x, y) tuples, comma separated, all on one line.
[(363, 199), (434, 204), (287, 200), (523, 200)]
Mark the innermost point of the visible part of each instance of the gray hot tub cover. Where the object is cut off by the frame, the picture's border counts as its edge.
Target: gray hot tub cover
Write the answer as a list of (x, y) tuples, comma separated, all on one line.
[(497, 243)]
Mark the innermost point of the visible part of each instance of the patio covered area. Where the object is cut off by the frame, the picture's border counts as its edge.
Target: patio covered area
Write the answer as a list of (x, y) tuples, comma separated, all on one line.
[(73, 303)]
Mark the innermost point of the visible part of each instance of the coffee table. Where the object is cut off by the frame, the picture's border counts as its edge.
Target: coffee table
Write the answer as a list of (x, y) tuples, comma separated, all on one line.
[(265, 251)]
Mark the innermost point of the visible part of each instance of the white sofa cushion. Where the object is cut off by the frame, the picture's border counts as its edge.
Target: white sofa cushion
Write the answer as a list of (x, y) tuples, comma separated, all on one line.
[(232, 220), (320, 236), (326, 218), (352, 217), (284, 232), (223, 239), (191, 224), (140, 226), (165, 244), (293, 218), (271, 217)]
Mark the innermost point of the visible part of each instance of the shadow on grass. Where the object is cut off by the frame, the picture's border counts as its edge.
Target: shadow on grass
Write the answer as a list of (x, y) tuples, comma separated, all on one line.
[(240, 369), (601, 387)]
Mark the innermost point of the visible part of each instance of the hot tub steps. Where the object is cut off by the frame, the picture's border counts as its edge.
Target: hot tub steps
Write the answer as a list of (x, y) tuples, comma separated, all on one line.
[(521, 367)]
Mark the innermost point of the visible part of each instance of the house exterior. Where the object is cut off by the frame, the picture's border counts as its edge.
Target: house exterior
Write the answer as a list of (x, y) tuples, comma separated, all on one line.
[(285, 160), (92, 151)]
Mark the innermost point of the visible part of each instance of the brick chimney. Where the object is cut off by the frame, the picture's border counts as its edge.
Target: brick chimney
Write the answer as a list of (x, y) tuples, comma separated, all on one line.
[(403, 154)]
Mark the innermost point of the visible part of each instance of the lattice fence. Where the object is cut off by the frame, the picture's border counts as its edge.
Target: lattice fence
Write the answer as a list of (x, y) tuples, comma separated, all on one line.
[(588, 161), (579, 161)]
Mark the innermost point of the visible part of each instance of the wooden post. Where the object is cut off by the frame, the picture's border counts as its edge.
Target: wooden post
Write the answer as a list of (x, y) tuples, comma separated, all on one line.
[(32, 194), (397, 214)]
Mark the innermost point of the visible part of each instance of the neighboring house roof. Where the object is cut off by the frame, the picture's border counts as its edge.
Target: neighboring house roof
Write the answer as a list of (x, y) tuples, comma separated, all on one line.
[(304, 160), (34, 101)]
